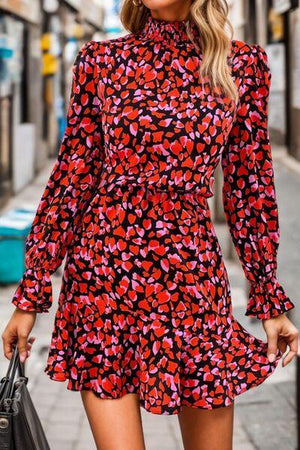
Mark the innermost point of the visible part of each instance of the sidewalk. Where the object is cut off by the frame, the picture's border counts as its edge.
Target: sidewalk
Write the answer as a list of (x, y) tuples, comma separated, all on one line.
[(265, 417)]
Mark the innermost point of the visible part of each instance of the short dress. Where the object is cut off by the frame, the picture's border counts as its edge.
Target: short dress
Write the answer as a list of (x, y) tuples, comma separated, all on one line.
[(145, 301)]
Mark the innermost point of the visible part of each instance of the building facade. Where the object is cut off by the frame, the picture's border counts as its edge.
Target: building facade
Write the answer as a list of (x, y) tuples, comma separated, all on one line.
[(39, 40)]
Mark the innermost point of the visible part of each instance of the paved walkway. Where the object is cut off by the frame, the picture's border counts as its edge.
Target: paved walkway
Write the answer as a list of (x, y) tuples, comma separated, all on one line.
[(265, 417)]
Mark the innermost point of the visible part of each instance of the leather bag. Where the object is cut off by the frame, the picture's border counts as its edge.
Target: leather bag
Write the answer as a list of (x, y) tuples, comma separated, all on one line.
[(20, 426)]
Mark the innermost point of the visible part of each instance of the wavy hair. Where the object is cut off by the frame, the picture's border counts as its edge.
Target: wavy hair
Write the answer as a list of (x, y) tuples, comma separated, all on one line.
[(211, 19)]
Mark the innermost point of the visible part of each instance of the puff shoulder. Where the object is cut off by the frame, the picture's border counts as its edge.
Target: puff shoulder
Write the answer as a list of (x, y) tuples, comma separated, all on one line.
[(250, 65)]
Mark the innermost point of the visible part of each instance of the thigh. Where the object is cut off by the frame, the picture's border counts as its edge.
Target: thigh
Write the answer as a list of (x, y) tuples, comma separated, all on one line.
[(116, 424), (204, 429)]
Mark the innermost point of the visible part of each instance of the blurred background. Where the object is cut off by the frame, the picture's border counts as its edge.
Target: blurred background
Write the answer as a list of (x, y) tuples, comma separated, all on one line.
[(38, 44)]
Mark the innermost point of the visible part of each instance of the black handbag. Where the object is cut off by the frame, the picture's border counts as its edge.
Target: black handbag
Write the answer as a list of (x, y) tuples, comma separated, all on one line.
[(20, 426)]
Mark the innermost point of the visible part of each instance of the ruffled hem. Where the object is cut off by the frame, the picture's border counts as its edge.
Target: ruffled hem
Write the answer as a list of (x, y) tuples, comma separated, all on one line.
[(267, 299), (34, 292), (211, 370)]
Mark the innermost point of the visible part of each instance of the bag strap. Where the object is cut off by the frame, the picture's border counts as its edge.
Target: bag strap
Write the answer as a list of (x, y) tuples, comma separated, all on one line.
[(8, 381), (17, 362)]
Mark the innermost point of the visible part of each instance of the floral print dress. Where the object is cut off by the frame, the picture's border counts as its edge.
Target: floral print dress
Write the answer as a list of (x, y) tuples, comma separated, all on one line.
[(145, 301)]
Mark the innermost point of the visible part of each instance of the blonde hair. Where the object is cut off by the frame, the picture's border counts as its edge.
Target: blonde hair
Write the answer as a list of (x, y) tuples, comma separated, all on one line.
[(211, 18)]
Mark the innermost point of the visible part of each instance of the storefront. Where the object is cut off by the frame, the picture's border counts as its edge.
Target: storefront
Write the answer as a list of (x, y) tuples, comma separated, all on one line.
[(81, 21), (294, 148), (280, 43), (73, 35), (52, 48), (275, 26), (92, 16), (237, 17), (112, 24), (19, 57), (66, 26)]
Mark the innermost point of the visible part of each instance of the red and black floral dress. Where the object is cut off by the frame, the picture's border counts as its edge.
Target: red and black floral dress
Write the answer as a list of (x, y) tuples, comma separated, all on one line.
[(145, 301)]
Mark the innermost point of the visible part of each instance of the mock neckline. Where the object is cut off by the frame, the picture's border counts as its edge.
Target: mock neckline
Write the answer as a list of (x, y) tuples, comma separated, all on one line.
[(168, 30)]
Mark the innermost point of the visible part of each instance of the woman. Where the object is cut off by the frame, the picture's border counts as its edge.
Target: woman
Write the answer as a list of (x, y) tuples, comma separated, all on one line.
[(145, 304)]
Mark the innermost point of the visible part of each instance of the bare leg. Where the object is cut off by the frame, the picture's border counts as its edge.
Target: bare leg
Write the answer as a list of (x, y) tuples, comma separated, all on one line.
[(203, 429), (116, 424)]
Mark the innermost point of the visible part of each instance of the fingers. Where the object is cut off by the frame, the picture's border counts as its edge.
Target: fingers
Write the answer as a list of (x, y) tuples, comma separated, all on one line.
[(16, 333), (22, 345), (292, 341), (9, 343), (29, 344), (282, 345), (272, 337), (281, 333)]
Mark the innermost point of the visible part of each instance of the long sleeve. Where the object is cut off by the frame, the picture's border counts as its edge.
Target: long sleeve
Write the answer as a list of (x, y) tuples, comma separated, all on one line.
[(249, 196), (70, 186)]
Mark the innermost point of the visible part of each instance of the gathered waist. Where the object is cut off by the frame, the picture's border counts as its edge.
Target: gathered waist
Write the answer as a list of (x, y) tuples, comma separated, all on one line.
[(111, 184), (129, 191)]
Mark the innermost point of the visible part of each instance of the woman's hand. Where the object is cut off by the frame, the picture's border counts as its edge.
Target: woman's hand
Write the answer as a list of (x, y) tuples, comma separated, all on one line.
[(280, 334), (17, 331)]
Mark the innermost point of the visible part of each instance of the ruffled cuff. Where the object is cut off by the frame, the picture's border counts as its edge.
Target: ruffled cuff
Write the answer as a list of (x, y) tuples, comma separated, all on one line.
[(267, 299), (34, 292)]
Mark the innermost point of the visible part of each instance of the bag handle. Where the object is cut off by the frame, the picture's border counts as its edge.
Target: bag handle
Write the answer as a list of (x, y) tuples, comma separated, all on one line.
[(5, 380), (8, 381), (14, 363)]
